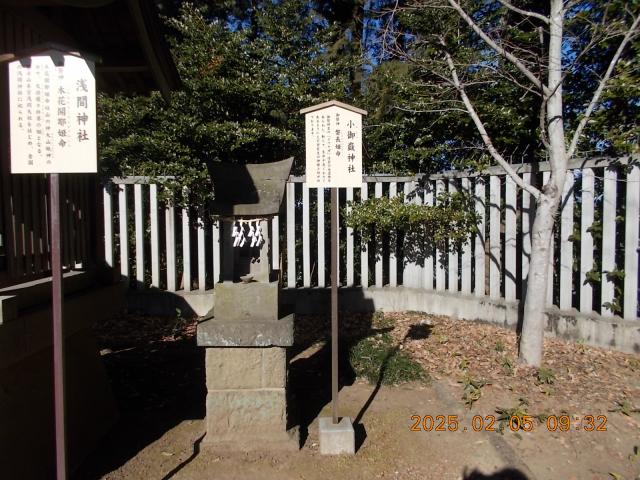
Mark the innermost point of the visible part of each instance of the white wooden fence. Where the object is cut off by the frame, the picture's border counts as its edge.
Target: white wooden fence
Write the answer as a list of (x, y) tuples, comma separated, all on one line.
[(175, 249)]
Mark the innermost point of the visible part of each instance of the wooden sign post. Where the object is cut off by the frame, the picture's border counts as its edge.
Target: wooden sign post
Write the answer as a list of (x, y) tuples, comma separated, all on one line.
[(333, 139), (52, 109)]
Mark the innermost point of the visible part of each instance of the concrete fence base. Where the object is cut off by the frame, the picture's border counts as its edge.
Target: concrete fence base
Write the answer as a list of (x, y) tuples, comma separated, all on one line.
[(593, 329)]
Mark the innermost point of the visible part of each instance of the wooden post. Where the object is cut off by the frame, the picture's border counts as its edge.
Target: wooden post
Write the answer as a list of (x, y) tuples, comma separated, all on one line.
[(334, 304), (58, 336)]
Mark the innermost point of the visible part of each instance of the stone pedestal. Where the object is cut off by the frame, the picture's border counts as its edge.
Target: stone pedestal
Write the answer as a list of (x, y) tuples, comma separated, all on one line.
[(246, 369), (246, 399)]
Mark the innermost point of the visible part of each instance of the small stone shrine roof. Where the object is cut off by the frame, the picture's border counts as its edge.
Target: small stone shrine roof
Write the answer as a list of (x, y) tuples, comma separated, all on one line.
[(249, 190)]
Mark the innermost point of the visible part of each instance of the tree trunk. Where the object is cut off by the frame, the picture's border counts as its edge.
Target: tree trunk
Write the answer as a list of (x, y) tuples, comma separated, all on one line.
[(535, 301), (531, 344)]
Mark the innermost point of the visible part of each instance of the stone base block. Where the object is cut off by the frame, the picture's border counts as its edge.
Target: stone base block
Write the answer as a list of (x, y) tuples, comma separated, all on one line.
[(216, 332), (336, 439), (249, 419), (246, 302), (246, 368), (284, 441)]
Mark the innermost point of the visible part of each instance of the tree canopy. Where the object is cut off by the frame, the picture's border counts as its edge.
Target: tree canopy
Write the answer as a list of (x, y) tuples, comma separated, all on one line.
[(248, 67)]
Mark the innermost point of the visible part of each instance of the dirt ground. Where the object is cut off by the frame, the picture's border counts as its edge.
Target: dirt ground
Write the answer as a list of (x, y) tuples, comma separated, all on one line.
[(158, 378)]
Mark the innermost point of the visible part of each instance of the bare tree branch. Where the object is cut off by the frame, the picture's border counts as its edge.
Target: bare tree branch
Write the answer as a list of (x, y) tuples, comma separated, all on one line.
[(598, 92), (439, 110), (500, 50), (526, 13), (485, 136)]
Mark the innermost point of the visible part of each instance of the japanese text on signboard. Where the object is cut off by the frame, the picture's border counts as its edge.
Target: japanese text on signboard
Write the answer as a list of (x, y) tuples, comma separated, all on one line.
[(334, 148), (53, 115)]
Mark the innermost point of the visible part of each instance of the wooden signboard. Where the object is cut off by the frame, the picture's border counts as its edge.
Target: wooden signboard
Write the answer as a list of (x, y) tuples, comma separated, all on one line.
[(333, 139), (52, 108)]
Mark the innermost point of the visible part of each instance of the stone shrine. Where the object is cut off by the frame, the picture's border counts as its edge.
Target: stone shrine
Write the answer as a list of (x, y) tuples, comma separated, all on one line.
[(245, 335)]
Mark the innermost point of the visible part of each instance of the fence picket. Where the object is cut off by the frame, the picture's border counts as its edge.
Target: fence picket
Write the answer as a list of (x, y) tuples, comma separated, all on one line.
[(137, 200), (321, 239), (124, 237), (155, 239), (170, 242), (452, 265), (631, 235), (364, 253), (107, 208), (465, 262), (494, 237), (378, 261), (217, 261), (291, 240), (566, 246), (186, 249), (427, 274), (306, 238), (586, 239), (510, 239), (393, 244), (440, 271), (202, 261), (350, 269), (608, 239)]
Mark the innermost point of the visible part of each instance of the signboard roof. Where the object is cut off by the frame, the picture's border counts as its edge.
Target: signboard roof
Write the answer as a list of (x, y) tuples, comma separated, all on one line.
[(333, 103)]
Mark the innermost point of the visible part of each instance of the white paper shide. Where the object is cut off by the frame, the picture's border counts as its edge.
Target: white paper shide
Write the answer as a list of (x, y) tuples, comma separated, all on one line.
[(53, 115), (333, 137)]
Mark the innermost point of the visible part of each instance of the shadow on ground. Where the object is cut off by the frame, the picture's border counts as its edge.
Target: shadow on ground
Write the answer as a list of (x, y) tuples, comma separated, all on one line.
[(157, 384), (505, 474), (310, 375)]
